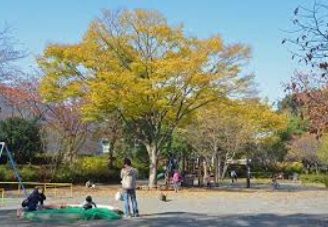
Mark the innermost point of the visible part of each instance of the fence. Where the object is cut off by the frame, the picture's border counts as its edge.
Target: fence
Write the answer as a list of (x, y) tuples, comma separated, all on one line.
[(45, 186)]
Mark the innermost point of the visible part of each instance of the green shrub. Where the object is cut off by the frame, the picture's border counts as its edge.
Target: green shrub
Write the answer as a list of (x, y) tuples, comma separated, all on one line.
[(30, 173), (63, 174), (92, 166), (84, 169), (3, 172), (96, 169), (315, 178), (143, 169), (88, 168), (261, 174), (325, 181), (7, 173), (289, 167), (293, 167), (27, 172)]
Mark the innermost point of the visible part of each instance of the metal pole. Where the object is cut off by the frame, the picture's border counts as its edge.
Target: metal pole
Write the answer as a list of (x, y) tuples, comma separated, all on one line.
[(2, 147), (44, 187), (248, 180), (12, 162)]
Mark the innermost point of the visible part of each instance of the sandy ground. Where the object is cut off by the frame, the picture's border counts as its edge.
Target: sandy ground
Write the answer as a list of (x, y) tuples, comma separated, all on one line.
[(291, 205)]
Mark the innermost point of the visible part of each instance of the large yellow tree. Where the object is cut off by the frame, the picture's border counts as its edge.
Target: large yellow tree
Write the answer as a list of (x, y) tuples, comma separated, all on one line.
[(152, 74)]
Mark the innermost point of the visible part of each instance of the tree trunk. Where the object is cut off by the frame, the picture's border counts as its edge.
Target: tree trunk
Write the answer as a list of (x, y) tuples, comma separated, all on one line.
[(199, 171), (316, 168), (225, 168), (152, 152), (215, 165), (205, 172), (217, 168), (111, 155)]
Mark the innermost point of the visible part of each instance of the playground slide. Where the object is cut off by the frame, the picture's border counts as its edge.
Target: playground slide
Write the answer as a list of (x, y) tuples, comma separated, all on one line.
[(160, 176)]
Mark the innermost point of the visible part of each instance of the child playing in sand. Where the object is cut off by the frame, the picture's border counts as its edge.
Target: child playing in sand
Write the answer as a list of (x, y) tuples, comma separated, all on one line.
[(88, 203), (33, 202)]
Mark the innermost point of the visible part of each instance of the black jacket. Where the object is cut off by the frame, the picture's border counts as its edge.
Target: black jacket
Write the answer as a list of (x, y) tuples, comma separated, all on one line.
[(33, 199)]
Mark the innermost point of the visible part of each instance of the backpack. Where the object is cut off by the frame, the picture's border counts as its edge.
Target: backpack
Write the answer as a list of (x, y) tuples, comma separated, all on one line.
[(129, 178), (25, 203)]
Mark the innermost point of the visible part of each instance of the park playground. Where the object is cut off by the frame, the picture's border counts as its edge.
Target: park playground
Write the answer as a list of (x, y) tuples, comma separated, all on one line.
[(291, 205), (164, 113)]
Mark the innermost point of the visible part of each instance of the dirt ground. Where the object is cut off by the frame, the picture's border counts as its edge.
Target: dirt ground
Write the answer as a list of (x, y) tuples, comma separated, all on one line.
[(291, 205)]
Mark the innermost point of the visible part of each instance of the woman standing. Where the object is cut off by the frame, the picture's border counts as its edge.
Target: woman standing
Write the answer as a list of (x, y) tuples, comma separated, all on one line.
[(129, 177)]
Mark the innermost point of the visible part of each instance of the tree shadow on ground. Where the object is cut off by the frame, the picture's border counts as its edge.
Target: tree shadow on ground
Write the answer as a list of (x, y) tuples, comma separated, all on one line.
[(195, 219), (8, 218), (258, 187)]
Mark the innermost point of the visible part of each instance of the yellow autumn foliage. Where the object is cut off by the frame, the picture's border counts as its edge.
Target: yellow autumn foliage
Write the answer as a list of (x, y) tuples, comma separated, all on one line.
[(151, 73)]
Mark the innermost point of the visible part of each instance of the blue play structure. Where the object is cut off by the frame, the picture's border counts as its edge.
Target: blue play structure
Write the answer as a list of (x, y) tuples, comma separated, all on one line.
[(4, 148)]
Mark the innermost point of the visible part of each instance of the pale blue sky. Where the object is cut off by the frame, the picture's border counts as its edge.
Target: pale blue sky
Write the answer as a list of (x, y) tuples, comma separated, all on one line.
[(257, 23)]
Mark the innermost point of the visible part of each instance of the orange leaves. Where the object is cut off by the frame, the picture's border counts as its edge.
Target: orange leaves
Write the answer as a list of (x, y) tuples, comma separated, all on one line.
[(17, 96)]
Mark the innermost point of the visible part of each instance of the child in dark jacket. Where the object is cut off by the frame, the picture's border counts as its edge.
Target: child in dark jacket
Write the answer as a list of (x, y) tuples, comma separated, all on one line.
[(32, 201), (89, 204)]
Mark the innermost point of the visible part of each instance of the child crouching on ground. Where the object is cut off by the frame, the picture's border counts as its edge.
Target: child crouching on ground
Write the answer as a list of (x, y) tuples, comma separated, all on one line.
[(88, 203)]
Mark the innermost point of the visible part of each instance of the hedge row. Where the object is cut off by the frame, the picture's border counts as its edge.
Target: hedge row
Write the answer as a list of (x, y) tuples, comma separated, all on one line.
[(315, 178), (87, 168)]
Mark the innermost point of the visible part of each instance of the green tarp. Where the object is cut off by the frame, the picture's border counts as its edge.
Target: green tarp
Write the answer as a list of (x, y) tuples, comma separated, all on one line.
[(71, 214)]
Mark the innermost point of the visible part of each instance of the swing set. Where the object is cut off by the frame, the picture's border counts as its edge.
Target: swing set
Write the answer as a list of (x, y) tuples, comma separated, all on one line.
[(4, 148), (21, 184)]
